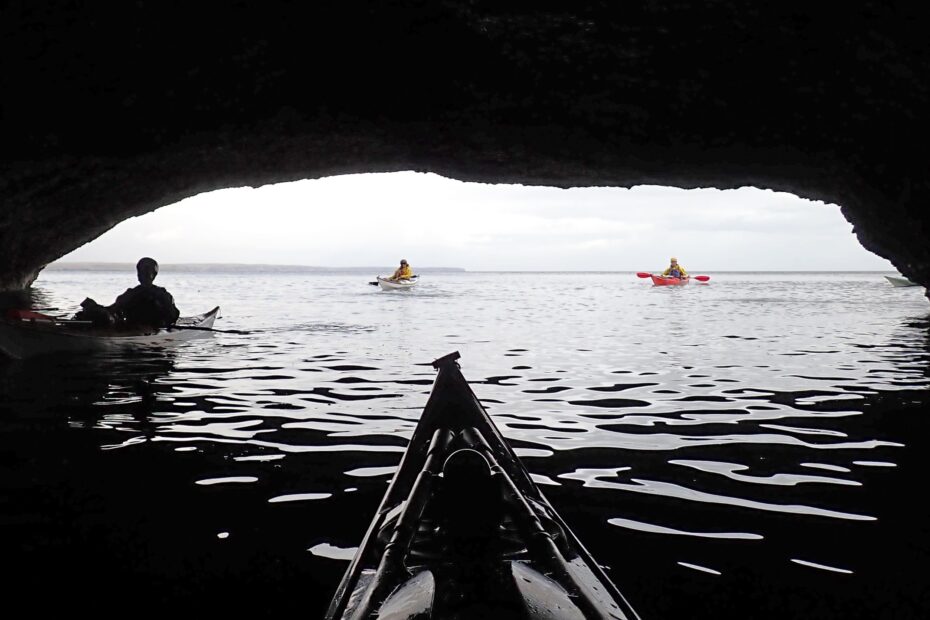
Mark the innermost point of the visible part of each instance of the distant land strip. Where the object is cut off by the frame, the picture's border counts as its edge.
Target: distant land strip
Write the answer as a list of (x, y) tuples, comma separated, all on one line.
[(270, 268), (236, 268)]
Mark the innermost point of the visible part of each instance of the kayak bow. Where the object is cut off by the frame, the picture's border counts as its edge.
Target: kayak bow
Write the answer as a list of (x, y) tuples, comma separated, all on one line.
[(900, 282), (463, 531)]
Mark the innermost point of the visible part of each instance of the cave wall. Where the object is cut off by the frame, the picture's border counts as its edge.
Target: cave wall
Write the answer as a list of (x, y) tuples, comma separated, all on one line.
[(111, 110)]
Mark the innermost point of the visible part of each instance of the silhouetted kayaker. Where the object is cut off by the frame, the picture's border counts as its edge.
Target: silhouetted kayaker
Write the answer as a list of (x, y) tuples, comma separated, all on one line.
[(404, 272), (145, 304), (675, 270)]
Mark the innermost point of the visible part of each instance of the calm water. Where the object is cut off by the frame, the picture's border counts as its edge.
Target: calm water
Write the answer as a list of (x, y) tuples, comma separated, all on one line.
[(755, 447)]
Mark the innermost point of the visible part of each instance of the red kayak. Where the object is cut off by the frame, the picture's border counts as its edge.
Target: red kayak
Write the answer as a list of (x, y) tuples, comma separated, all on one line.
[(669, 281)]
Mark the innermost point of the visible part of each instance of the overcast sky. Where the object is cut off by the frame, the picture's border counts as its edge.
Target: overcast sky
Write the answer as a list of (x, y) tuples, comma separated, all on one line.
[(377, 219)]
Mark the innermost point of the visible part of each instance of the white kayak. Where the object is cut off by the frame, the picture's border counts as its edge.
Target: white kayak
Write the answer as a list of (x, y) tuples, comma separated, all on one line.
[(387, 284), (28, 337), (897, 281)]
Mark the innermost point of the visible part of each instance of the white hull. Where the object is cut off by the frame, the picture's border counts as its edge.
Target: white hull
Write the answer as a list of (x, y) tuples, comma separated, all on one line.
[(900, 281), (396, 285), (20, 339)]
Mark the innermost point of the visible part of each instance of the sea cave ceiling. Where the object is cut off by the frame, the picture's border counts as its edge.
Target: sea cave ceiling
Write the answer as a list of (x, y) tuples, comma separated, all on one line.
[(111, 110)]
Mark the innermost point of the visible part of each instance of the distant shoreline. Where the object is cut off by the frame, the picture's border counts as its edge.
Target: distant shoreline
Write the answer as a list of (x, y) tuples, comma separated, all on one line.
[(271, 268), (236, 267)]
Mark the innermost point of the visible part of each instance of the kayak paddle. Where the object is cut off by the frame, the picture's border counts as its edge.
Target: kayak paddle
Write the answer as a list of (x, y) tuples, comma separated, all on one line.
[(29, 315), (643, 274), (208, 329), (33, 317)]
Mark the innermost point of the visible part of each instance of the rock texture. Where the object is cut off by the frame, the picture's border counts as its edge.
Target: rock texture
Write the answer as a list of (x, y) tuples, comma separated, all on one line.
[(110, 110)]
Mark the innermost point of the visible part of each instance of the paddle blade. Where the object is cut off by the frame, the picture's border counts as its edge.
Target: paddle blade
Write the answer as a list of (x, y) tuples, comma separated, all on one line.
[(28, 315), (209, 329), (643, 274), (702, 278), (375, 283)]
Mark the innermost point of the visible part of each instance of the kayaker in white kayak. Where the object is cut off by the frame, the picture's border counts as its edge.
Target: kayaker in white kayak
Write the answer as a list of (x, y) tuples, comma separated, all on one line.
[(404, 272), (675, 270), (145, 304)]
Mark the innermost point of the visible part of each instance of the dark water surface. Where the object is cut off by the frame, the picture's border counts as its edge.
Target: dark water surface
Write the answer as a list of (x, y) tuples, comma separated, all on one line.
[(753, 448)]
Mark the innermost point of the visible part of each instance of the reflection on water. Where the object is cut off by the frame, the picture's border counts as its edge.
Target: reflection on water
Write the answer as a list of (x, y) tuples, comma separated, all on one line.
[(752, 447)]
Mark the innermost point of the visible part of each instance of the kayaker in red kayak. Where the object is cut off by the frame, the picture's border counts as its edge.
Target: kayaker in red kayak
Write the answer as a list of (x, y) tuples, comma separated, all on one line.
[(675, 270)]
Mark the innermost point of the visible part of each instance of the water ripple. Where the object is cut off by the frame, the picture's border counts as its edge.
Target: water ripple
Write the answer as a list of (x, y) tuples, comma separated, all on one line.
[(594, 478)]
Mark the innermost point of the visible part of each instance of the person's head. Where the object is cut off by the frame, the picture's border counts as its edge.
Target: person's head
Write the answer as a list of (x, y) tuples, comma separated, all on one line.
[(403, 262), (146, 270), (674, 261)]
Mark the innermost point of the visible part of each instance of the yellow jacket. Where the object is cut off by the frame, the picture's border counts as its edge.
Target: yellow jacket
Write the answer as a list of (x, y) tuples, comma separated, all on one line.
[(403, 272), (684, 274)]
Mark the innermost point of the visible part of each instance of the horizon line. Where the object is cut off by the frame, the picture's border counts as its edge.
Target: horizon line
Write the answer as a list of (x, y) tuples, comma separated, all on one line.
[(75, 264)]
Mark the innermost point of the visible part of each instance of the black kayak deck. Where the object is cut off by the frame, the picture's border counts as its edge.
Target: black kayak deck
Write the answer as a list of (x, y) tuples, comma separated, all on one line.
[(463, 531)]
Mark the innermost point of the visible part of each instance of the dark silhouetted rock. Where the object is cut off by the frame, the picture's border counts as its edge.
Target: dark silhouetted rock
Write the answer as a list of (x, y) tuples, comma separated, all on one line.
[(110, 110)]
